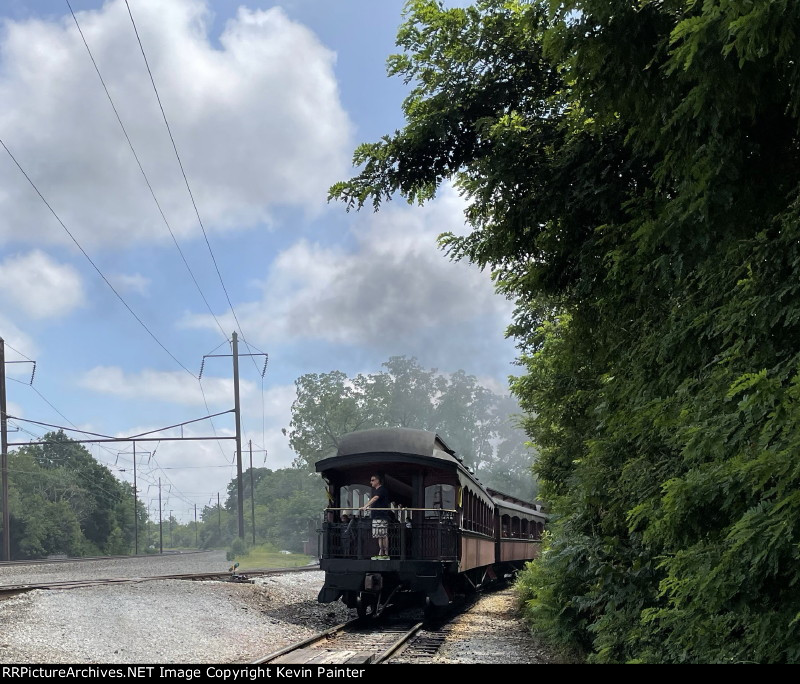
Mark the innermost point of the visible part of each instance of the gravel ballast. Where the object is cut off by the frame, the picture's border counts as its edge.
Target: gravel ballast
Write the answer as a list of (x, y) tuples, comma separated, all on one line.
[(164, 621), (168, 621), (181, 621)]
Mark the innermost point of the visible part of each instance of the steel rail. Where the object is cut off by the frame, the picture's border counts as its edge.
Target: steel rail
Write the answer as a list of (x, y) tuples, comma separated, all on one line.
[(199, 576), (397, 644), (78, 559), (348, 644), (305, 642)]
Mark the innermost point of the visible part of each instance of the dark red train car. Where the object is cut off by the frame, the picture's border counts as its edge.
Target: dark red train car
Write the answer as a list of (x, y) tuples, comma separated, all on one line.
[(448, 534)]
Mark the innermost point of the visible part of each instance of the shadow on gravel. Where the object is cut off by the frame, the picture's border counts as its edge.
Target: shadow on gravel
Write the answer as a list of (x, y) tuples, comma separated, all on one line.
[(306, 614)]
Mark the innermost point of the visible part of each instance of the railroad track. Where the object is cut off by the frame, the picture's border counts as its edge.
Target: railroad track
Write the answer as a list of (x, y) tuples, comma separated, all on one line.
[(399, 636), (357, 642), (8, 589), (45, 561)]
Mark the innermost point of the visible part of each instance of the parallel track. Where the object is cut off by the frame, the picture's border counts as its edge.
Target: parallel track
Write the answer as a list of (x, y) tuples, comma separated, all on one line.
[(8, 589), (44, 561)]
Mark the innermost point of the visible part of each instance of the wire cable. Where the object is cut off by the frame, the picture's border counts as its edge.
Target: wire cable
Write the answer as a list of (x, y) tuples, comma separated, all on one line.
[(19, 352), (144, 175), (213, 429), (191, 195), (185, 178), (101, 446), (89, 259)]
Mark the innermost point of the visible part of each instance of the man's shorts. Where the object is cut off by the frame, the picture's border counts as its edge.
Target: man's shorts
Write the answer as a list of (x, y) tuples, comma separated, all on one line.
[(380, 528)]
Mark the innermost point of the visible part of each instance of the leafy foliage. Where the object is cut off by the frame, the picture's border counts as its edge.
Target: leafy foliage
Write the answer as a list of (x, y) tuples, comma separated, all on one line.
[(632, 175), (478, 424), (288, 508), (62, 501)]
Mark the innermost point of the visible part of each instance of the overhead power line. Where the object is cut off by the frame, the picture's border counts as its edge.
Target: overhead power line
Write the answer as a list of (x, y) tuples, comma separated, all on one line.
[(51, 405), (89, 259), (141, 168), (129, 437), (18, 352), (152, 193), (185, 178)]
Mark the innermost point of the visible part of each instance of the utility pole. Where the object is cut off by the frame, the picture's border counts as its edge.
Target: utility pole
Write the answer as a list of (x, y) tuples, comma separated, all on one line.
[(171, 545), (219, 517), (195, 527), (135, 502), (252, 493), (160, 522), (237, 413), (4, 454)]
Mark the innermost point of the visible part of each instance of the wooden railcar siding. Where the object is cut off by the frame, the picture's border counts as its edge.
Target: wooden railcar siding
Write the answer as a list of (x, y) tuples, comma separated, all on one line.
[(475, 552)]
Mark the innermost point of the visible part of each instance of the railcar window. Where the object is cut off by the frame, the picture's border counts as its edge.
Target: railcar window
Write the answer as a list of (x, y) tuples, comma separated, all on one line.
[(354, 496), (505, 526), (439, 496)]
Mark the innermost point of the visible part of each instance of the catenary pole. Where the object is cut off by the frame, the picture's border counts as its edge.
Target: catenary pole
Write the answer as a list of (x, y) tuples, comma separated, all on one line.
[(4, 454), (237, 412), (135, 502), (160, 521), (252, 493)]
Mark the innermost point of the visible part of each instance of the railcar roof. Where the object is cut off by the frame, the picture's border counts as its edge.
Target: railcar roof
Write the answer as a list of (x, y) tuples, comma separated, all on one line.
[(392, 440), (421, 446), (516, 508)]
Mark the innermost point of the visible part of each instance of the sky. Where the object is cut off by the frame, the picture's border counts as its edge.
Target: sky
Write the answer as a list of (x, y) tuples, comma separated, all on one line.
[(123, 264)]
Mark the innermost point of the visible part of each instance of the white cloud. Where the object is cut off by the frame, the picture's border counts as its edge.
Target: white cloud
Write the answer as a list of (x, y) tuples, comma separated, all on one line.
[(257, 120), (277, 414), (190, 471), (130, 282), (39, 286), (394, 289), (14, 409), (19, 346), (171, 386)]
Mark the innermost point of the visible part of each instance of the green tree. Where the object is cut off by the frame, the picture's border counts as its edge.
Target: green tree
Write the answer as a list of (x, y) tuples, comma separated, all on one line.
[(470, 418), (334, 400), (291, 503), (218, 527), (62, 501), (632, 176), (464, 413), (404, 394)]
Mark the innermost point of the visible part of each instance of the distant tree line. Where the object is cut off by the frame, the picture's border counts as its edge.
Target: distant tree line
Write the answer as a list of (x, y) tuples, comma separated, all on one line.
[(62, 501), (288, 508)]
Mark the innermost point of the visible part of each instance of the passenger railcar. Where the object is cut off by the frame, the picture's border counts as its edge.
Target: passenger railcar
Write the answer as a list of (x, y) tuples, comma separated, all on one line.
[(448, 533)]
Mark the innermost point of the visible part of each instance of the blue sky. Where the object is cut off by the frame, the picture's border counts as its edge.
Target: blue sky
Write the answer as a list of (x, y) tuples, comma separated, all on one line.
[(266, 102)]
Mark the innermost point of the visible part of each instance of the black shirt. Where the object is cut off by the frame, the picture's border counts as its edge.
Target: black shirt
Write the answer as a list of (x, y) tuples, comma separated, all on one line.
[(383, 502)]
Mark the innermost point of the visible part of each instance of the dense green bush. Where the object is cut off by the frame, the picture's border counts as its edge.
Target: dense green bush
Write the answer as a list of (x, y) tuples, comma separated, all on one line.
[(633, 172)]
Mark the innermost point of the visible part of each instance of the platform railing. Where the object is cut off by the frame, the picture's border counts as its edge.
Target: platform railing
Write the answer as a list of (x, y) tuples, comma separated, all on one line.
[(411, 537)]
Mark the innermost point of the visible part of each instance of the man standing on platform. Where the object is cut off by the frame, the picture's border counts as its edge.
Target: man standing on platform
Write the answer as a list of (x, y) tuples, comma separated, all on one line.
[(380, 518)]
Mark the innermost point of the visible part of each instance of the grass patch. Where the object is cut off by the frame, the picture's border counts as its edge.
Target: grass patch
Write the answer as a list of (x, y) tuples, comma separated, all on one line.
[(266, 556)]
